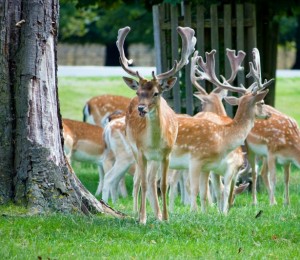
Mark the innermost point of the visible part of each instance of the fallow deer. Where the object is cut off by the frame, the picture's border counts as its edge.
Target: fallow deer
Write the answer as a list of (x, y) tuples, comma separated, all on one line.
[(212, 144), (98, 108), (277, 139), (151, 125), (84, 142), (114, 134), (212, 102)]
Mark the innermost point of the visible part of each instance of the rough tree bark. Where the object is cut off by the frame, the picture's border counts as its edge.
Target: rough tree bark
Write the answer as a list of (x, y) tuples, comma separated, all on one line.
[(33, 169)]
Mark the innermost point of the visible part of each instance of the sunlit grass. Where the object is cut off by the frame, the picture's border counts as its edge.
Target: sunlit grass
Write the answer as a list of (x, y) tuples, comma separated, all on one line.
[(274, 235)]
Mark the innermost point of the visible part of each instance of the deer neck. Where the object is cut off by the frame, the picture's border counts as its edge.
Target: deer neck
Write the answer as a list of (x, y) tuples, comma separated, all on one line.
[(241, 125), (217, 108), (157, 119)]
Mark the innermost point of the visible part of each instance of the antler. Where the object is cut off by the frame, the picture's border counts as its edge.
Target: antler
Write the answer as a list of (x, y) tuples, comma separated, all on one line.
[(193, 76), (188, 46), (208, 70), (255, 72), (122, 33)]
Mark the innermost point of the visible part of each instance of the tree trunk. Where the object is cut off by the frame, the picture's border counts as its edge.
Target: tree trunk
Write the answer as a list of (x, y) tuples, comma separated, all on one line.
[(34, 171)]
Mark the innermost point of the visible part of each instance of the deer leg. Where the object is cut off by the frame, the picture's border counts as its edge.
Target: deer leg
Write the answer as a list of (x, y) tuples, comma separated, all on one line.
[(101, 179), (122, 188), (136, 190), (194, 185), (286, 183), (204, 185), (217, 187), (231, 192), (228, 179), (173, 180), (186, 187), (112, 179), (152, 189), (163, 186), (272, 169), (142, 172), (266, 176), (251, 159)]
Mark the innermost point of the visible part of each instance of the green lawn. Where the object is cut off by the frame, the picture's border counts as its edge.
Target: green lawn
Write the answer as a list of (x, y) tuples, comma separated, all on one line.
[(274, 235)]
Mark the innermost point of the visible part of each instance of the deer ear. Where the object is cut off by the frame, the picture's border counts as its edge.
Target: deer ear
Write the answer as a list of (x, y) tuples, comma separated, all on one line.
[(133, 84), (168, 84), (234, 101), (261, 95)]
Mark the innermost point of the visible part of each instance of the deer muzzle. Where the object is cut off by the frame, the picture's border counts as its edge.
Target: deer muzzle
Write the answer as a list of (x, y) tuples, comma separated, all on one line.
[(142, 110)]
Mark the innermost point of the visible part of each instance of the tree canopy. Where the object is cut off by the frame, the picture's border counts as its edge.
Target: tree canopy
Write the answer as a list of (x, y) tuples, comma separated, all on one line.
[(98, 21)]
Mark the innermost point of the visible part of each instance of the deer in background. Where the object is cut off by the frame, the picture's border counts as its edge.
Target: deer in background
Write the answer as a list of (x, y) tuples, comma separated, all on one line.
[(212, 142), (114, 134), (277, 138), (151, 125), (212, 102), (84, 142), (98, 108)]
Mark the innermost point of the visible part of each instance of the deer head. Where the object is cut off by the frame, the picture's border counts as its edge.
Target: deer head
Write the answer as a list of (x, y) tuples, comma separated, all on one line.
[(149, 91), (207, 72), (256, 91)]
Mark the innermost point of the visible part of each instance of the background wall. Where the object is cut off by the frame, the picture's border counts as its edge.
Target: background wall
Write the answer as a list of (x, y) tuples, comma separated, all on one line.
[(142, 55)]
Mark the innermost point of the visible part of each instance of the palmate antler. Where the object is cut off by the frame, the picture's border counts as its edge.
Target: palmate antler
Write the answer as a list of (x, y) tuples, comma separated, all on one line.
[(207, 71), (255, 73), (188, 46)]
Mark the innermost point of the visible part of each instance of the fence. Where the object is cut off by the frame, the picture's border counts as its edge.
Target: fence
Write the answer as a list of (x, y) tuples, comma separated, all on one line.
[(216, 27)]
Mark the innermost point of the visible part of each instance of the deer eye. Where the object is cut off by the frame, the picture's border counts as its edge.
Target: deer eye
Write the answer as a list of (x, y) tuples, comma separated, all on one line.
[(155, 94)]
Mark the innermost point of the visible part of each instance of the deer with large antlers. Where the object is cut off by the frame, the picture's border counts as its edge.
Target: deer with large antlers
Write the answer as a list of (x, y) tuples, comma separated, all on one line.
[(151, 125), (212, 102), (277, 138), (214, 147)]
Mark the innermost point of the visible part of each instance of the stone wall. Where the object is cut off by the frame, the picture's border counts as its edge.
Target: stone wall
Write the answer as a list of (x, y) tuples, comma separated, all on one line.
[(94, 54)]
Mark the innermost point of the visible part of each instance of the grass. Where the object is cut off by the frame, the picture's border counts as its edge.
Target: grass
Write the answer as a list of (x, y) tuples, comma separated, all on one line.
[(273, 235)]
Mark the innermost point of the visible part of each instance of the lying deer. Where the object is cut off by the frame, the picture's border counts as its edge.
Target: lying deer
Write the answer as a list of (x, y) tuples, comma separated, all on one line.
[(151, 125)]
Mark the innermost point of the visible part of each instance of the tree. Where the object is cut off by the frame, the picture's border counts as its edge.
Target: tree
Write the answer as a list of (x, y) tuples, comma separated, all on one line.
[(33, 168)]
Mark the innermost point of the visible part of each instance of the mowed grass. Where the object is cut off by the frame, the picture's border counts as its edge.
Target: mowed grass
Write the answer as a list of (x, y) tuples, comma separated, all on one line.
[(275, 234)]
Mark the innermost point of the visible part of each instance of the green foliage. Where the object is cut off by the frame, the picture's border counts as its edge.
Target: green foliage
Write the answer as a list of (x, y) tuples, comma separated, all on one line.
[(287, 30), (96, 23)]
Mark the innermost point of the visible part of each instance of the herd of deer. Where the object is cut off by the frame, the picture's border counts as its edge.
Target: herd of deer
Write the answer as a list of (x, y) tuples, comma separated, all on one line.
[(146, 137)]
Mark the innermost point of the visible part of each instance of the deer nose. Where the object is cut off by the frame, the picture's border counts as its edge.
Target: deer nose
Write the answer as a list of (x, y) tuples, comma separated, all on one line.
[(141, 108)]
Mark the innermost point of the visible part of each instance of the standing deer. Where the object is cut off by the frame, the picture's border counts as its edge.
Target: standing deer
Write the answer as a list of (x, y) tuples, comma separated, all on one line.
[(212, 143), (151, 125), (277, 138), (114, 134), (212, 102)]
